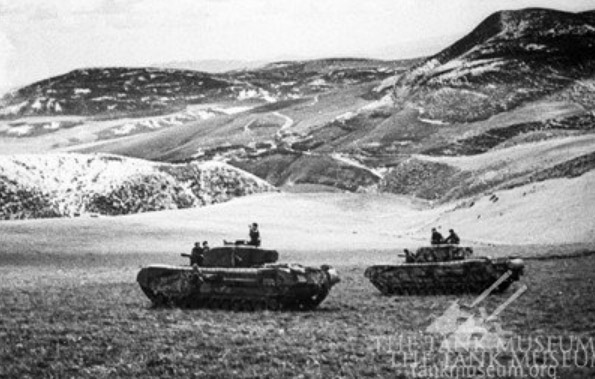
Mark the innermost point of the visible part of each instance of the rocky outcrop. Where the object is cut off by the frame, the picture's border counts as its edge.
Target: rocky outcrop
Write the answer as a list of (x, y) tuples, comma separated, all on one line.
[(57, 185)]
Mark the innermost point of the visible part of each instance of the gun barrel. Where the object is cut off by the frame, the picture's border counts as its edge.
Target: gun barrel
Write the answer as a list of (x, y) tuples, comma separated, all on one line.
[(185, 255)]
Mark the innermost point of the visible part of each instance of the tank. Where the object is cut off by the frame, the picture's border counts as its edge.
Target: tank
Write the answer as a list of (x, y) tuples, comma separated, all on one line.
[(445, 269), (238, 278)]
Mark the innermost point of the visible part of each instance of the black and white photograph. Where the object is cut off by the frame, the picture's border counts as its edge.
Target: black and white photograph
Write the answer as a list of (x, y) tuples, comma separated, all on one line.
[(297, 189)]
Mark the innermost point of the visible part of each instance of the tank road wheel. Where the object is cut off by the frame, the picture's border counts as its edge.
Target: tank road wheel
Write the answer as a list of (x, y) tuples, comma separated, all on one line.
[(310, 303), (433, 290), (217, 303), (238, 305), (158, 299), (424, 289), (259, 305), (273, 305), (458, 288), (226, 304), (249, 305), (504, 286), (313, 301)]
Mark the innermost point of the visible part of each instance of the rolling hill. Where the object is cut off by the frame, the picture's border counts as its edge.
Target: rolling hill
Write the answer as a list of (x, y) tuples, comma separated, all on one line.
[(510, 104), (56, 185), (116, 92)]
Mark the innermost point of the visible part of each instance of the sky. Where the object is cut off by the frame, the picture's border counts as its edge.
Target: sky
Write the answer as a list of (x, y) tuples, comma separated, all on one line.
[(43, 38)]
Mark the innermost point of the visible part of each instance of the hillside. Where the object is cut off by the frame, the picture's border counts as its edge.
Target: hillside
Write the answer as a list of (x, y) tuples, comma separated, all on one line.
[(511, 58), (115, 92), (342, 227), (125, 92), (55, 185), (519, 81)]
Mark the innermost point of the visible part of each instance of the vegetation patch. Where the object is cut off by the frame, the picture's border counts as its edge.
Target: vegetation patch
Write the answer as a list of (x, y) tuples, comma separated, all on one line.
[(69, 185), (423, 179), (484, 142)]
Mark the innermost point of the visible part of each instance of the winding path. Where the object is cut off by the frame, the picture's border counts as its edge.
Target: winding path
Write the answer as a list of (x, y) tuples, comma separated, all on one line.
[(288, 124)]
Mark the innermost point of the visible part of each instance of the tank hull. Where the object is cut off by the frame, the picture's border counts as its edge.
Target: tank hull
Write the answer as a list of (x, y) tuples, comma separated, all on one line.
[(273, 287), (443, 278)]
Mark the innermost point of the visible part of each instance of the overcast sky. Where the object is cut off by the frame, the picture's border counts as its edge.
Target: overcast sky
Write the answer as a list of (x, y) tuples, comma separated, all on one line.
[(41, 38)]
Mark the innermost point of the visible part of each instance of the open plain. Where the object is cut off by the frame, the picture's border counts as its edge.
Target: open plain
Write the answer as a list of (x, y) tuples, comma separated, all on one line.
[(71, 307)]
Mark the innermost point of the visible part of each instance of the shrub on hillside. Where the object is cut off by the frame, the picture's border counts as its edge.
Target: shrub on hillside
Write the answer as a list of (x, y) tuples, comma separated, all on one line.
[(423, 179), (17, 202), (143, 193)]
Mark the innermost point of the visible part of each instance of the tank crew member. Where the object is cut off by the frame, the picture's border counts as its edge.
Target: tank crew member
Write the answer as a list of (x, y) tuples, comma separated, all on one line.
[(205, 247), (409, 256), (437, 238), (197, 256), (452, 238), (254, 235)]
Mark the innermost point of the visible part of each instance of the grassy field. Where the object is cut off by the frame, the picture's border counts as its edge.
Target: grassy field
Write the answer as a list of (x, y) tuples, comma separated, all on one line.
[(65, 315)]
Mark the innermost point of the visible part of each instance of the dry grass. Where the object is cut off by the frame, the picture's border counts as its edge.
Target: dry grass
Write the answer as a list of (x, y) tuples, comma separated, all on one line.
[(83, 316)]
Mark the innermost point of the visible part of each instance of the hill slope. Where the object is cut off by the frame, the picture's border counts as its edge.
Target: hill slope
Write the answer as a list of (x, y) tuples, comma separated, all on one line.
[(55, 185), (511, 58), (119, 92), (521, 78)]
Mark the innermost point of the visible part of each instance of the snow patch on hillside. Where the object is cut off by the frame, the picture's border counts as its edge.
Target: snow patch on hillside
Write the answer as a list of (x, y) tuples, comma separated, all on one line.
[(13, 109), (386, 83), (232, 110), (56, 185)]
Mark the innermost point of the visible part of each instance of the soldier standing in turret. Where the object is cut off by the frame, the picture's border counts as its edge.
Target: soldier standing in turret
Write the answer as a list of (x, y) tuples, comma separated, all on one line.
[(254, 235), (452, 238), (436, 238), (197, 255)]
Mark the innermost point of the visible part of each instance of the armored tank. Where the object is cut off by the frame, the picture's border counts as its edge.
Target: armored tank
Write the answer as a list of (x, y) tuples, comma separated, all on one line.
[(445, 269), (238, 278)]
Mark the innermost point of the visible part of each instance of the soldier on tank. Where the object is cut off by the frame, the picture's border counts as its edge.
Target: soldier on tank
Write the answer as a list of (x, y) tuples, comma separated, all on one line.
[(205, 247), (197, 255), (453, 238), (254, 235), (437, 238), (409, 256)]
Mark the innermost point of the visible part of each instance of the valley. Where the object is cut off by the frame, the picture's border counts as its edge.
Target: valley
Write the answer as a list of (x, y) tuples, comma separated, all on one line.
[(343, 161)]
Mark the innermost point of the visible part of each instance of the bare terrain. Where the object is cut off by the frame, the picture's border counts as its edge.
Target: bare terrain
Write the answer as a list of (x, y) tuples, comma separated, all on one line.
[(71, 307)]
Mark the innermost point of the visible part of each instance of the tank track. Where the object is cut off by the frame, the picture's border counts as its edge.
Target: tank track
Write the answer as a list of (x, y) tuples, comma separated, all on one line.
[(272, 303), (444, 278), (229, 289)]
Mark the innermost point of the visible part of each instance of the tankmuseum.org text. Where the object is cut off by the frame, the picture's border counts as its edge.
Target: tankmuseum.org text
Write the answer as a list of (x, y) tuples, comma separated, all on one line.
[(419, 355)]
